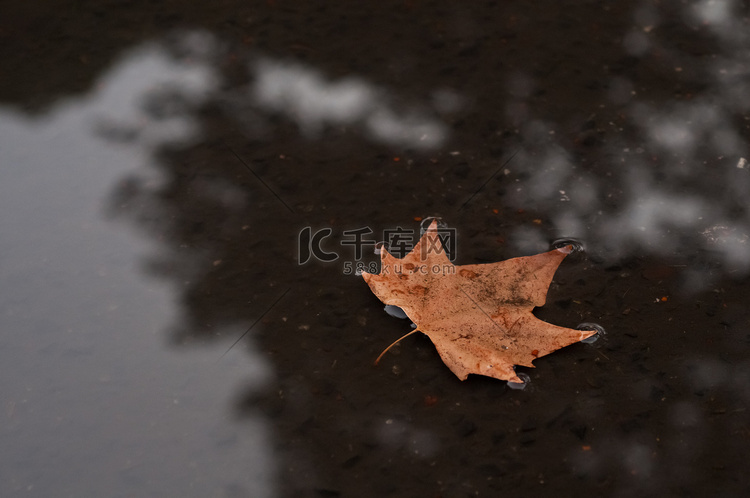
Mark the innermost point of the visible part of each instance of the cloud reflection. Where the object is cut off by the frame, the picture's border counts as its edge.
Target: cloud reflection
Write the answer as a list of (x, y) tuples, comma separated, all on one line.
[(675, 179), (303, 95), (126, 413), (714, 12)]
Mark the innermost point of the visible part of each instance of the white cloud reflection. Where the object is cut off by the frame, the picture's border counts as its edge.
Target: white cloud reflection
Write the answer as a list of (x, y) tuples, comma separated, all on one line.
[(96, 391), (714, 12), (304, 95), (678, 181)]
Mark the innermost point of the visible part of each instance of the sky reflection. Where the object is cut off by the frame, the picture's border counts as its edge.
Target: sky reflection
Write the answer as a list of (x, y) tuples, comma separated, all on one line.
[(89, 388), (94, 378), (303, 95), (677, 174)]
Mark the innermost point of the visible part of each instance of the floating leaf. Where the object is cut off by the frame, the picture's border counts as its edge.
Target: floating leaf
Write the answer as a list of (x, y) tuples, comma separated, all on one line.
[(478, 316)]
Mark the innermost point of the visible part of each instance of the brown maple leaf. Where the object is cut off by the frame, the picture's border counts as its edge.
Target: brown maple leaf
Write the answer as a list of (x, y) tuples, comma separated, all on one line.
[(478, 316)]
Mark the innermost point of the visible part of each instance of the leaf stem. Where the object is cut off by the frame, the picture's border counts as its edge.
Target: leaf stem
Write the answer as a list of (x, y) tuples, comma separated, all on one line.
[(393, 344)]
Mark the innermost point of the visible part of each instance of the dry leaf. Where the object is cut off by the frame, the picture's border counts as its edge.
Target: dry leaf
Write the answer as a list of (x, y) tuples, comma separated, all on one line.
[(478, 316)]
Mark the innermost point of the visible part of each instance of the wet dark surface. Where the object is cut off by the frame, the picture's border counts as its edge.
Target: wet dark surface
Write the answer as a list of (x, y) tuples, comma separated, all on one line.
[(158, 163)]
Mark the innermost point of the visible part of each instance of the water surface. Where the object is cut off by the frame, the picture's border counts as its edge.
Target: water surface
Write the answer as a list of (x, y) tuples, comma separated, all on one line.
[(157, 166)]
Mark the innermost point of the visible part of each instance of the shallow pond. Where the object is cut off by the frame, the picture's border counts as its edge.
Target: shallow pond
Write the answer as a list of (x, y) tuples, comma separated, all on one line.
[(183, 191)]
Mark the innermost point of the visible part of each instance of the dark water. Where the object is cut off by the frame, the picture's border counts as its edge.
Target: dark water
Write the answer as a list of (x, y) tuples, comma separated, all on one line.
[(158, 163)]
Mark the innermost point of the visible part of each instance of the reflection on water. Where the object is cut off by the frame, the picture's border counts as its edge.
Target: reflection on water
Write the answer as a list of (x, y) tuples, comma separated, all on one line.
[(88, 387), (140, 412), (303, 95), (147, 97), (666, 163), (654, 170)]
